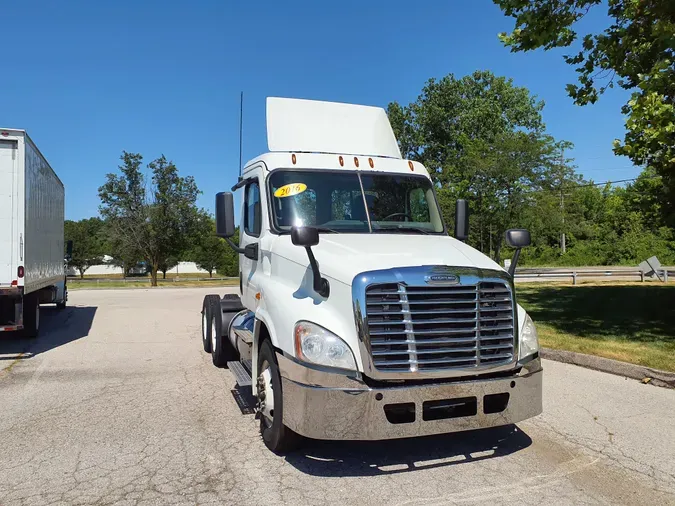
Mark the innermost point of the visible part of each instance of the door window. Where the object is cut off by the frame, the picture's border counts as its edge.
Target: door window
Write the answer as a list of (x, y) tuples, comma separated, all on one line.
[(252, 210)]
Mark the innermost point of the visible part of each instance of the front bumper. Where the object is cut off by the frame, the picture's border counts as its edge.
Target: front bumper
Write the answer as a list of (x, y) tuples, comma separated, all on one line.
[(326, 405)]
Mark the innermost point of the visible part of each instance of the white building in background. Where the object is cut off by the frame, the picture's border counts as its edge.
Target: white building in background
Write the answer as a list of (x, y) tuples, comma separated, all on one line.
[(107, 269)]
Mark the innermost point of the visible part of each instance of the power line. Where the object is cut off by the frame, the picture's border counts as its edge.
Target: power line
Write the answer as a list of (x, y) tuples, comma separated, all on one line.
[(586, 185)]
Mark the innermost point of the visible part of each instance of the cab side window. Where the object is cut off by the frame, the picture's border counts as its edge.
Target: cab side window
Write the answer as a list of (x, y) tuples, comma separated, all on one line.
[(252, 210)]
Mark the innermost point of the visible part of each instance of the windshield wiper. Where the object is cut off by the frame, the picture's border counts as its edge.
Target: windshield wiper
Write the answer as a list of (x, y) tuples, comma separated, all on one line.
[(402, 229)]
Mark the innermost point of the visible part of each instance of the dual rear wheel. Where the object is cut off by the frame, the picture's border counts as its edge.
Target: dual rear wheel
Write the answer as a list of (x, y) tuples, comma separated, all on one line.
[(213, 340)]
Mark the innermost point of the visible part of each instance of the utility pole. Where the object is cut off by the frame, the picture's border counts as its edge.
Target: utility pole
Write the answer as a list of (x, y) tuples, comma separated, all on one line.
[(563, 246)]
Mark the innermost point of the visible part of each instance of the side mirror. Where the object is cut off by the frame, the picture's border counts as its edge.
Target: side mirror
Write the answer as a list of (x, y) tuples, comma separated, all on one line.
[(517, 238), (308, 237), (69, 250), (462, 220), (224, 215), (305, 236)]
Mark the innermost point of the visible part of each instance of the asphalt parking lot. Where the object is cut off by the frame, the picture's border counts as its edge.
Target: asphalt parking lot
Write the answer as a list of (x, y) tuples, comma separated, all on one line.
[(116, 403)]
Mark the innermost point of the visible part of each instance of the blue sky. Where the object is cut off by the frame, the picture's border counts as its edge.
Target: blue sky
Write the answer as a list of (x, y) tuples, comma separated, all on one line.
[(89, 79)]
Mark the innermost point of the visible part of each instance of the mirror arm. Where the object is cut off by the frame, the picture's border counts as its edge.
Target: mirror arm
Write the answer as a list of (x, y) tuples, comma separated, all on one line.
[(514, 263), (236, 248), (321, 285)]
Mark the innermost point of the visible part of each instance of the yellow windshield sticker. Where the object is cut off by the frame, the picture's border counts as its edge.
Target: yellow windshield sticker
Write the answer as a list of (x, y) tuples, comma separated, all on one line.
[(289, 190)]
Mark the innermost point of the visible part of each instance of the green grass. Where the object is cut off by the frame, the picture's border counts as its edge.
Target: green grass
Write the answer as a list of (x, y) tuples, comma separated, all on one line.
[(631, 322), (75, 284)]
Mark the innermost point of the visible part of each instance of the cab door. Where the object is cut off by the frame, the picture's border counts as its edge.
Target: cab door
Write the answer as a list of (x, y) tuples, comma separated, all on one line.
[(250, 233)]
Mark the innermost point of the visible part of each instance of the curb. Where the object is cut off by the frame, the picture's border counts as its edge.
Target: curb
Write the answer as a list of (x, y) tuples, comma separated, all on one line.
[(645, 374)]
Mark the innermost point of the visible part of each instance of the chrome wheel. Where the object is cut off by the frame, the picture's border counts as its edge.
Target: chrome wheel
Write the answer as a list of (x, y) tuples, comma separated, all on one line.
[(266, 394), (205, 325), (214, 337)]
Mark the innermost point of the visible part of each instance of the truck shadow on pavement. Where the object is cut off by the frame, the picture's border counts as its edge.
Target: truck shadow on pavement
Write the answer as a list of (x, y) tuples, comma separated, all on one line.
[(373, 458), (57, 327)]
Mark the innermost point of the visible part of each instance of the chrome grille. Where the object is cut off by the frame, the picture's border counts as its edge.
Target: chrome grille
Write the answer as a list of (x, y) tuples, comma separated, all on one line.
[(421, 328)]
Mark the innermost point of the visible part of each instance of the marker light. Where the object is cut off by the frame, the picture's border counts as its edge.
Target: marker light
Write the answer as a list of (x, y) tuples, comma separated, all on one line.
[(342, 161), (371, 163), (410, 164), (293, 158), (356, 161)]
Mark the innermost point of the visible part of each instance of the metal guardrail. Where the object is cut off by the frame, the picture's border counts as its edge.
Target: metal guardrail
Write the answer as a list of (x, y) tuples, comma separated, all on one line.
[(99, 281), (554, 272)]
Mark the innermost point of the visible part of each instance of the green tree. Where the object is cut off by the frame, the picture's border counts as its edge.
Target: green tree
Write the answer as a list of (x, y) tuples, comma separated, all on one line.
[(157, 223), (482, 138), (167, 264), (636, 52), (88, 243)]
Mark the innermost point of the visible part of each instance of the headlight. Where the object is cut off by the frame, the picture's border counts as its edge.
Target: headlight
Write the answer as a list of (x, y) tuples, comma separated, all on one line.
[(529, 341), (319, 346)]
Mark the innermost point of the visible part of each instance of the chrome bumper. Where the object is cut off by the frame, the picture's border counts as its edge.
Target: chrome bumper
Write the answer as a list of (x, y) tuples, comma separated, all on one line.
[(325, 405)]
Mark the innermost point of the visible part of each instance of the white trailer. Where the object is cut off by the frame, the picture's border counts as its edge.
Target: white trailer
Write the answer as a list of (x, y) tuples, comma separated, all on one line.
[(32, 267)]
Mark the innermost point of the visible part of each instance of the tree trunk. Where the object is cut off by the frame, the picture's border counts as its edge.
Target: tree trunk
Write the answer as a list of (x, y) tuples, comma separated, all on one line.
[(153, 274), (81, 273), (210, 274), (163, 274)]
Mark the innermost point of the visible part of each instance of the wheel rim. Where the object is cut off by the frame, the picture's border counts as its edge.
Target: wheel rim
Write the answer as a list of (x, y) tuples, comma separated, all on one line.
[(214, 338), (266, 394), (204, 326), (37, 317)]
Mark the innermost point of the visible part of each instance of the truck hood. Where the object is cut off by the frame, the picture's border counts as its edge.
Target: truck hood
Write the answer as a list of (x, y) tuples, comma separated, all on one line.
[(343, 256)]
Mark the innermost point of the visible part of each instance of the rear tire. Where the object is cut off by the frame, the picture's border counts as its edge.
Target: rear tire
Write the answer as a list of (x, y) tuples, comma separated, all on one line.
[(277, 437), (62, 305), (31, 315), (207, 316), (222, 350)]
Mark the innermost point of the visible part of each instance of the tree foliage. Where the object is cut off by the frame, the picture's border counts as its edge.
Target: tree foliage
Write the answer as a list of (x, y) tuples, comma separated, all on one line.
[(154, 224), (482, 138), (88, 242), (636, 52), (210, 251)]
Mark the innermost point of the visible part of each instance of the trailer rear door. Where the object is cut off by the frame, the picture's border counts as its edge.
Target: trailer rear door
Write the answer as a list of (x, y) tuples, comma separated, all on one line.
[(8, 181)]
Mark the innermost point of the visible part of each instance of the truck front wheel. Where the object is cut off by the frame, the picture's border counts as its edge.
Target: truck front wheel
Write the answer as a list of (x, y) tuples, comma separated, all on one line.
[(275, 434)]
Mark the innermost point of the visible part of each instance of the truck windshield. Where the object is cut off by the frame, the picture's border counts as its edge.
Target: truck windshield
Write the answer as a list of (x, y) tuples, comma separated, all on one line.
[(335, 201)]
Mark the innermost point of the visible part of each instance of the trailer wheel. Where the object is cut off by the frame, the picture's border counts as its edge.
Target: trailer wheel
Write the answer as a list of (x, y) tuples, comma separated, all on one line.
[(31, 315), (207, 316), (222, 350), (277, 437), (62, 305)]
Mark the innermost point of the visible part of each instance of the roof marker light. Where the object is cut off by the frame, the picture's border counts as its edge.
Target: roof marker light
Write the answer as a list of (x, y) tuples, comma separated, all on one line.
[(356, 161), (293, 158), (371, 163), (410, 164), (342, 161)]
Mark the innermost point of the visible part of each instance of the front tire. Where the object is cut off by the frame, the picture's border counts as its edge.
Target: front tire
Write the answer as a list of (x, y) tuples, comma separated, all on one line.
[(277, 437)]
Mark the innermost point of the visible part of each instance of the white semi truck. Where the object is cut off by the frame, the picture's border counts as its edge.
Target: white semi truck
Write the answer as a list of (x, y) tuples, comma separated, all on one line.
[(32, 268), (360, 318)]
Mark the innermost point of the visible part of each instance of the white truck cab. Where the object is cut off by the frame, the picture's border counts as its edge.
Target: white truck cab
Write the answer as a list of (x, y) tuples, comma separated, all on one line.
[(359, 316)]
